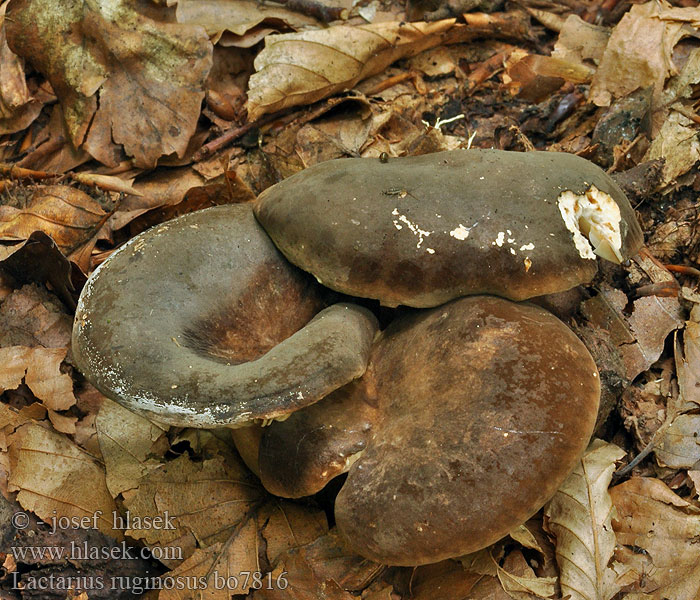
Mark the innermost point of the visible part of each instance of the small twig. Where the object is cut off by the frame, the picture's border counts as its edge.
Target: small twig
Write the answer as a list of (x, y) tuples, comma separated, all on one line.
[(395, 79), (622, 471), (684, 270), (233, 134), (669, 289), (16, 172)]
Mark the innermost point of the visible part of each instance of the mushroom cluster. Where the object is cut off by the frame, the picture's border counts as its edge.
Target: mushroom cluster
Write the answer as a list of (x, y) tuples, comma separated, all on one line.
[(457, 421)]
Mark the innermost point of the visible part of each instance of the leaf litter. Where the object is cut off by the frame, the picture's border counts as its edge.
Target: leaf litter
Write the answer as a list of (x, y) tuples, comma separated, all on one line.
[(620, 88)]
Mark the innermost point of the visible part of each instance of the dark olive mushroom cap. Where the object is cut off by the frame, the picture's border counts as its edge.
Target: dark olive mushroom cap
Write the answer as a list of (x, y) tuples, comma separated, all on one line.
[(300, 455), (486, 406), (201, 322), (426, 229)]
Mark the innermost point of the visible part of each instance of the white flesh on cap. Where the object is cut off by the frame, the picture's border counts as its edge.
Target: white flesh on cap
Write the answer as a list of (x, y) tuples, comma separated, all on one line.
[(594, 220)]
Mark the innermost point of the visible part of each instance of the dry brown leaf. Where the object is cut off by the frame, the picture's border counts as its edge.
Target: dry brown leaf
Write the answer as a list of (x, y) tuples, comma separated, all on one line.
[(220, 570), (203, 499), (162, 187), (56, 478), (677, 143), (639, 336), (288, 525), (331, 558), (301, 68), (31, 316), (534, 77), (579, 515), (294, 578), (515, 576), (62, 423), (639, 52), (153, 72), (106, 182), (680, 446), (335, 136), (41, 370), (67, 214), (17, 108), (240, 23), (128, 444), (580, 41), (688, 362), (232, 566), (651, 517)]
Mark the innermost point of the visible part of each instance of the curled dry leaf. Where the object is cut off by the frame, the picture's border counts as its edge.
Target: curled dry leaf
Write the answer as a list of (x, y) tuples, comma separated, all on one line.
[(533, 78), (580, 41), (640, 50), (38, 259), (152, 71), (40, 368), (579, 515), (56, 478), (517, 579), (301, 68), (651, 517), (240, 23), (17, 107), (67, 214)]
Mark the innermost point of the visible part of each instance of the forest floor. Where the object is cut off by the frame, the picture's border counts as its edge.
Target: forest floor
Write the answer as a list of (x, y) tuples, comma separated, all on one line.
[(114, 119)]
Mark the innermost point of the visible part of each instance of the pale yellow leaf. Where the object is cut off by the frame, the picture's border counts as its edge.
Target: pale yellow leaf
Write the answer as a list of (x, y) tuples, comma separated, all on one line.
[(579, 515)]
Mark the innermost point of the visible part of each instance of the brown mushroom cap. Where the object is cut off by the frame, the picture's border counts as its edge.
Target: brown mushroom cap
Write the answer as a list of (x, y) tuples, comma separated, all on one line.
[(201, 322), (486, 406), (300, 455), (426, 229)]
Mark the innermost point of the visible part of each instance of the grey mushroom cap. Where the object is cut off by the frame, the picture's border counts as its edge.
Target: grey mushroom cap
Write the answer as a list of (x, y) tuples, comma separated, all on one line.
[(426, 229), (201, 322)]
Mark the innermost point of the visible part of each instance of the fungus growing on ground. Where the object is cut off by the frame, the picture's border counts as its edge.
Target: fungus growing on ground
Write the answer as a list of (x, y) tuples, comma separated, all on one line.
[(202, 322), (426, 229), (484, 406), (300, 455), (469, 415)]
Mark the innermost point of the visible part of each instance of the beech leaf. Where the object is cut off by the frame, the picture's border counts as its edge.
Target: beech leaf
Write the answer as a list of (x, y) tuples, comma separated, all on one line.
[(651, 517), (56, 478), (148, 75), (580, 515), (301, 68)]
